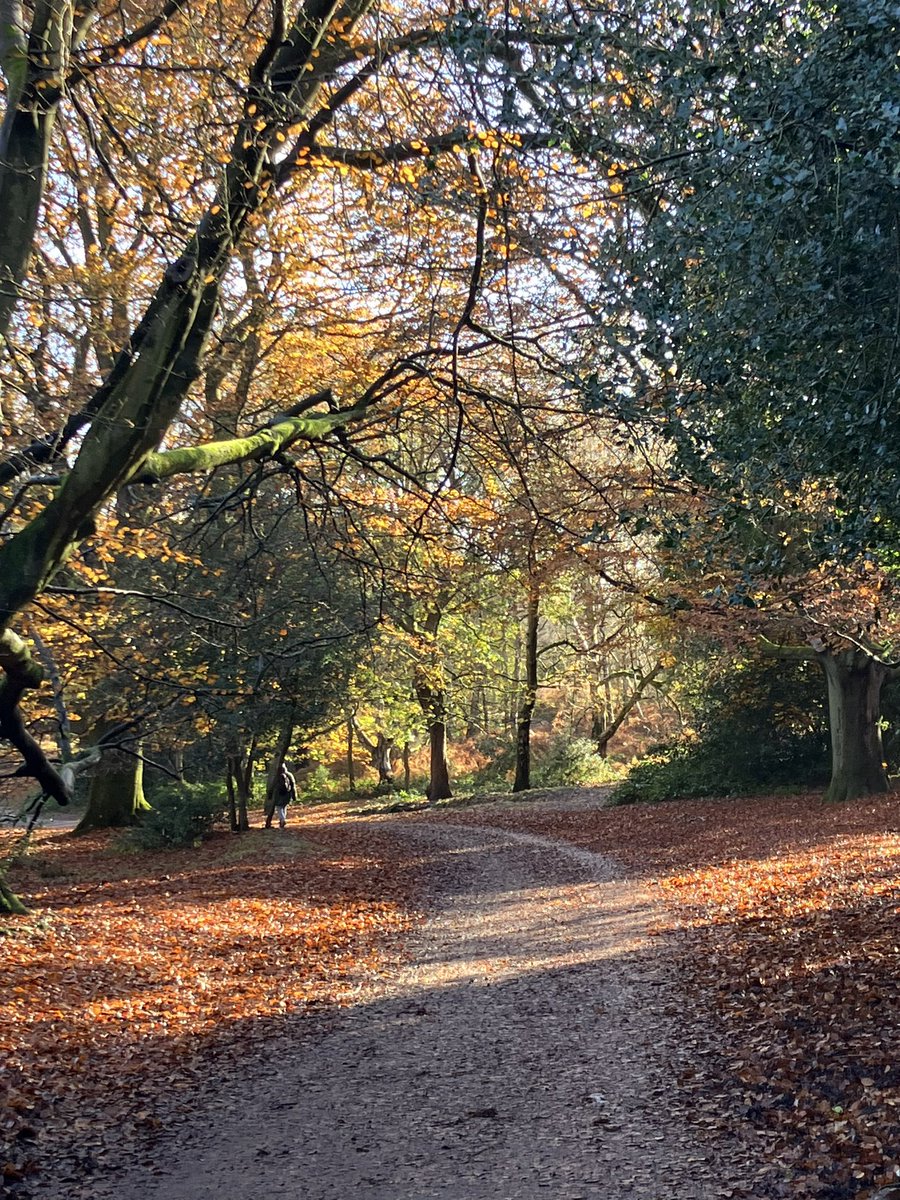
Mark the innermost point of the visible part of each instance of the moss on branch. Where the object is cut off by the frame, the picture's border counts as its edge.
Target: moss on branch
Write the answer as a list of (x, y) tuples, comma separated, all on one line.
[(264, 444)]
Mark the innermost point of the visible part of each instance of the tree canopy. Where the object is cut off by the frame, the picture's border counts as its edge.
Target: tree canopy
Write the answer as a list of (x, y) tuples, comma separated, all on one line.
[(469, 341)]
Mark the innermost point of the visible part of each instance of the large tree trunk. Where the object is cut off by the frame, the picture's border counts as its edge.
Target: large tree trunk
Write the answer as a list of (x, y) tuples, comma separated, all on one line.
[(854, 707), (35, 70), (529, 697), (116, 797), (383, 762), (439, 769), (434, 705)]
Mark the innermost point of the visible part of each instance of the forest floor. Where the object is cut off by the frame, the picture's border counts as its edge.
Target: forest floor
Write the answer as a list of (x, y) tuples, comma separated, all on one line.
[(548, 998)]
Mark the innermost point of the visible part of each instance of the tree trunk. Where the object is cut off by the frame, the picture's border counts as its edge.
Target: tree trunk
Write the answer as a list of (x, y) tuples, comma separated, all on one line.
[(383, 762), (406, 769), (178, 764), (854, 709), (25, 134), (512, 708), (351, 780), (243, 796), (602, 732), (428, 682), (232, 796), (282, 746), (239, 781), (439, 769), (145, 389), (434, 706), (380, 755), (116, 798), (529, 697)]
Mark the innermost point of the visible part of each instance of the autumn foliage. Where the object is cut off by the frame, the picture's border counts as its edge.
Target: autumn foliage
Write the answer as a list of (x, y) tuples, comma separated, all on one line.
[(137, 973), (784, 914)]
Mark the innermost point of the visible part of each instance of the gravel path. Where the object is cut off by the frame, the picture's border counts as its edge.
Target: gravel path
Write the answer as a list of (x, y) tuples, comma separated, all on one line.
[(522, 1056)]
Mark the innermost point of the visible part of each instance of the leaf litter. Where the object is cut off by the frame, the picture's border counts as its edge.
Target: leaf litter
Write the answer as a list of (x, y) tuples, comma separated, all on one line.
[(135, 972), (784, 915)]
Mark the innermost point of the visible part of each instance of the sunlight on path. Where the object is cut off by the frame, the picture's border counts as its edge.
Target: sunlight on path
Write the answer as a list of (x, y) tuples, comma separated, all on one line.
[(521, 1055)]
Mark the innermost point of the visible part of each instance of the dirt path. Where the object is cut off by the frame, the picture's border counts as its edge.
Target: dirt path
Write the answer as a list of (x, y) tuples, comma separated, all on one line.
[(522, 1055)]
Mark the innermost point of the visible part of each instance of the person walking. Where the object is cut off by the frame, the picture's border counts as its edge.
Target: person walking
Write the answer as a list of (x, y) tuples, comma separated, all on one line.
[(284, 790)]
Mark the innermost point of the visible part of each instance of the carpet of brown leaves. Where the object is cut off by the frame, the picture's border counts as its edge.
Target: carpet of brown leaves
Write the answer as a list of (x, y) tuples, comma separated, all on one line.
[(136, 972), (787, 917)]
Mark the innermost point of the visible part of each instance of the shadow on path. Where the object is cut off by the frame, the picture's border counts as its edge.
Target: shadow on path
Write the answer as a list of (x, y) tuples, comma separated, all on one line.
[(521, 1055)]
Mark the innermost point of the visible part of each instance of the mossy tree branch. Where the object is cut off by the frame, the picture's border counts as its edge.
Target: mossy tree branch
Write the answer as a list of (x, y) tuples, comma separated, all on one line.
[(265, 443)]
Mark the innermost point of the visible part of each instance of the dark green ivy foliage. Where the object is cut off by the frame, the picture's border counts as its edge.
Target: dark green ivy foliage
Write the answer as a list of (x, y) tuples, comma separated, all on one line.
[(762, 266), (762, 726)]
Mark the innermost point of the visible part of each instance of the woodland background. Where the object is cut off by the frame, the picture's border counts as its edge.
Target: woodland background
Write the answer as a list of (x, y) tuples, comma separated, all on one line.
[(450, 397), (382, 378)]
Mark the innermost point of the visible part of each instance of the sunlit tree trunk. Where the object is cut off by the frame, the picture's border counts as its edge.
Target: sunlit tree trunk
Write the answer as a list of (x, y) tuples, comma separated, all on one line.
[(351, 778), (116, 797), (439, 772), (35, 66), (380, 753), (602, 732)]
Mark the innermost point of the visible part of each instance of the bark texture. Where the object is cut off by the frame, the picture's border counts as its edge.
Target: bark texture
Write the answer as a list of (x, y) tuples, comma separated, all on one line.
[(525, 712), (116, 797), (854, 681)]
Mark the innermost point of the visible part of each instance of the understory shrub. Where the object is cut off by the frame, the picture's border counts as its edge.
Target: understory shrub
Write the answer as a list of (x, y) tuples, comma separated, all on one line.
[(559, 762), (319, 784), (497, 773), (762, 726), (182, 815), (572, 762)]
